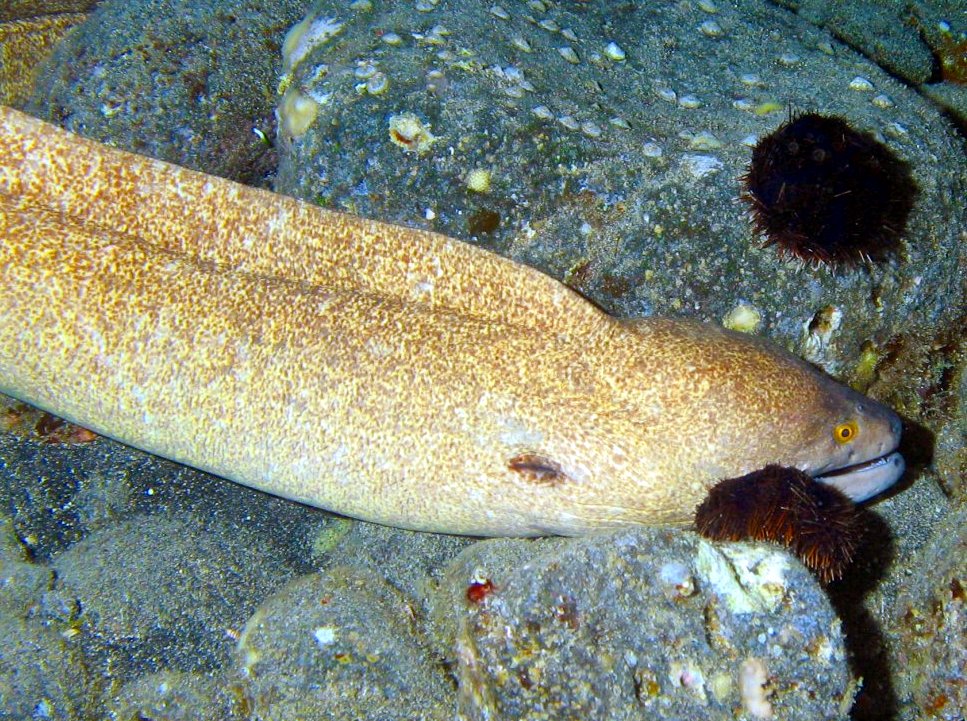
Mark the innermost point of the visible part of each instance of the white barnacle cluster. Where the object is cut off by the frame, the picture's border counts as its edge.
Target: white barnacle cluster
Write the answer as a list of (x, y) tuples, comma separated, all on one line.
[(300, 103)]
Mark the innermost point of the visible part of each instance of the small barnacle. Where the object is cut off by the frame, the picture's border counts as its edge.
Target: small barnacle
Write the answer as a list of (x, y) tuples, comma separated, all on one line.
[(297, 112), (377, 84), (478, 180), (569, 54), (407, 131), (543, 112), (521, 44), (499, 12), (704, 140), (676, 581), (711, 29), (883, 101), (305, 36), (615, 52), (569, 122), (860, 84), (743, 318)]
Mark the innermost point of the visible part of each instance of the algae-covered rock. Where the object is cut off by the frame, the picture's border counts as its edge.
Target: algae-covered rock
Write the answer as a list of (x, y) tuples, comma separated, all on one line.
[(42, 676), (882, 30), (614, 138), (158, 593), (647, 623), (340, 645), (183, 81), (173, 696), (22, 582), (928, 626)]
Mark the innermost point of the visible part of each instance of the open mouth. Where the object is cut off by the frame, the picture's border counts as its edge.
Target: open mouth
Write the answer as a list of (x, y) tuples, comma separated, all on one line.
[(867, 479)]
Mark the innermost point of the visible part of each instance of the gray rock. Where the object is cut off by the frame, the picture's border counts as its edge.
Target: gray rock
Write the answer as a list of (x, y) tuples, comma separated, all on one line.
[(22, 583), (413, 563), (42, 676), (619, 176), (158, 593), (949, 96), (648, 624), (178, 80), (927, 629), (180, 697), (340, 645), (880, 29)]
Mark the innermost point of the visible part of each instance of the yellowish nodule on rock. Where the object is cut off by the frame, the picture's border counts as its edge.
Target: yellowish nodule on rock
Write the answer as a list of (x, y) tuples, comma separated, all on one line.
[(407, 131), (743, 318), (767, 108), (329, 536), (297, 113), (865, 371), (478, 180), (721, 686)]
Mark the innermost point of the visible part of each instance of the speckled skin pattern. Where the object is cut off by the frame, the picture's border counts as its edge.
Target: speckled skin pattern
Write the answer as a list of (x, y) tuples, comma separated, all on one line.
[(385, 373)]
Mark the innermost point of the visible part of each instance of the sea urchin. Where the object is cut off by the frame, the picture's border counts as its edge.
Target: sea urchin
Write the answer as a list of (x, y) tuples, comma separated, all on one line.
[(818, 523), (826, 193)]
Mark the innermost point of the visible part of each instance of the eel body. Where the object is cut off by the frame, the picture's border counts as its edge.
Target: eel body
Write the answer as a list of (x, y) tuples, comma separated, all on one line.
[(385, 373)]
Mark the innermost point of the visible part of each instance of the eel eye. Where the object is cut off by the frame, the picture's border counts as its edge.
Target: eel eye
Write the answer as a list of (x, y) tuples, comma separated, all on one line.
[(846, 432)]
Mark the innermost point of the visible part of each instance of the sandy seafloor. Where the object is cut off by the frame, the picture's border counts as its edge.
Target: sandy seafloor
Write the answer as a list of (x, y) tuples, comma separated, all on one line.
[(133, 588)]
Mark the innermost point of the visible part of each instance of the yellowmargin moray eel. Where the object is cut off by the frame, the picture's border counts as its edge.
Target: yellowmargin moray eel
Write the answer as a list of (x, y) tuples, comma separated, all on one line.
[(381, 372)]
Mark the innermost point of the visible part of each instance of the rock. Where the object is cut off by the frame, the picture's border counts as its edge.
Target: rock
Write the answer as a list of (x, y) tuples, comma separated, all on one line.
[(160, 593), (618, 173), (879, 29), (22, 583), (180, 697), (413, 563), (178, 80), (646, 622), (42, 676), (340, 645), (928, 626)]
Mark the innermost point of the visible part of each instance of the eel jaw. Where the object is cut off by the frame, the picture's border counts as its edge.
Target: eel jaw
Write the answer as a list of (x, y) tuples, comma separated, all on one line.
[(865, 480)]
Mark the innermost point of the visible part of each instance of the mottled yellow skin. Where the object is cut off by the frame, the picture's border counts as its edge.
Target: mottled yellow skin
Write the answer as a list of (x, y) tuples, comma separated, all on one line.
[(385, 373), (24, 44)]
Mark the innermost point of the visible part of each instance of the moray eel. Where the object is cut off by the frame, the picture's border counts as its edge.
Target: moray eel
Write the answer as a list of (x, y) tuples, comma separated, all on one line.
[(385, 373)]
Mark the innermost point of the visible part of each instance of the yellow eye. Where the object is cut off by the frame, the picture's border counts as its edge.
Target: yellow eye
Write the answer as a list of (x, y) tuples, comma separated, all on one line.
[(846, 432)]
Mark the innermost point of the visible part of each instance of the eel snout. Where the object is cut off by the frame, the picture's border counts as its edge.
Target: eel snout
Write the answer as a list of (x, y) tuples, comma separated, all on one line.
[(873, 467)]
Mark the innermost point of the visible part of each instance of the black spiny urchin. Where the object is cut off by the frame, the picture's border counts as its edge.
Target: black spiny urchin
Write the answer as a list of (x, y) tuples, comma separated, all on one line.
[(826, 193)]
